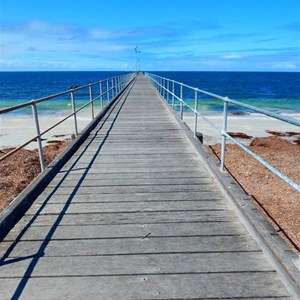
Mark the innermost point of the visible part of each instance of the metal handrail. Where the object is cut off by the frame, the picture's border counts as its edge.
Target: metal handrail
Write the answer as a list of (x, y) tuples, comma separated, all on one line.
[(162, 85), (113, 87)]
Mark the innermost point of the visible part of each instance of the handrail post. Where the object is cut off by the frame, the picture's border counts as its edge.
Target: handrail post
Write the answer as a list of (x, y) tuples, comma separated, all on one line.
[(225, 114), (173, 96), (38, 132), (160, 85), (101, 96), (118, 84), (112, 88), (181, 101), (107, 91), (196, 115), (168, 87), (91, 101), (74, 111)]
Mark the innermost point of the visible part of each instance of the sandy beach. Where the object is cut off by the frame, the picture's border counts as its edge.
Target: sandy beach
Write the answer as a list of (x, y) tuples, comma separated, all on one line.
[(251, 125), (17, 129)]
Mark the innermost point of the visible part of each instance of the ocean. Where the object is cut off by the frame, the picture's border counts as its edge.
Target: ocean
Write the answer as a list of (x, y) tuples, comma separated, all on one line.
[(279, 92)]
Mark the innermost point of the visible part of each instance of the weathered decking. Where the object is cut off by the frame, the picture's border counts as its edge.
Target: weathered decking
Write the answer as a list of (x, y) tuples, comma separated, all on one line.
[(134, 215)]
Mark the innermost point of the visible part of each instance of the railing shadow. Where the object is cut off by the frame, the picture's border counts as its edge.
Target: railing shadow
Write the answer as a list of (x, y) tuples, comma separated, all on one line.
[(40, 253)]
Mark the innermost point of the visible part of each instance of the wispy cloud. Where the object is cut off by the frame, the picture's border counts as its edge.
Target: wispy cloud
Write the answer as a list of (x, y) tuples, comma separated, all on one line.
[(48, 39), (39, 44), (295, 26), (265, 40), (232, 56), (226, 37)]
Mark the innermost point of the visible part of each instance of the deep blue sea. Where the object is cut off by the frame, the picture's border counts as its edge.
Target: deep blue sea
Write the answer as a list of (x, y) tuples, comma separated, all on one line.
[(276, 91)]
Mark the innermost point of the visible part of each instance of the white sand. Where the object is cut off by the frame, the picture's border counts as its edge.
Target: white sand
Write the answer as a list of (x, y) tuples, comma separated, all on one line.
[(252, 125), (15, 130)]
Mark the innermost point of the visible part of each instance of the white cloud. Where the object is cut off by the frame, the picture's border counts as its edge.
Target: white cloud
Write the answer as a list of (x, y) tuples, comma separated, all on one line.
[(285, 65), (40, 44), (232, 56)]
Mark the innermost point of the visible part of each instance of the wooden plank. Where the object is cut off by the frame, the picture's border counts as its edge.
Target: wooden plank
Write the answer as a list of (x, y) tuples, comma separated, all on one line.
[(127, 230), (183, 263), (105, 161), (129, 182), (131, 175), (130, 189), (146, 206), (185, 286), (70, 169), (134, 218), (115, 197), (128, 246)]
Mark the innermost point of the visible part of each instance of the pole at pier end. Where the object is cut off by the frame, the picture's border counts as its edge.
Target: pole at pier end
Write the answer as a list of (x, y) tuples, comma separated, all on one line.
[(137, 59)]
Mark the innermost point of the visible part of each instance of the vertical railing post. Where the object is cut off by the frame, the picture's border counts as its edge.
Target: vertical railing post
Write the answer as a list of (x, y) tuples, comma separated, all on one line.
[(196, 115), (115, 86), (225, 114), (118, 84), (160, 85), (107, 91), (173, 92), (38, 138), (101, 95), (168, 87), (91, 101), (181, 101), (74, 111), (112, 88)]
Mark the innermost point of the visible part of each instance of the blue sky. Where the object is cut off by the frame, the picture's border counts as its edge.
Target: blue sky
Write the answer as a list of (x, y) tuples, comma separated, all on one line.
[(196, 35)]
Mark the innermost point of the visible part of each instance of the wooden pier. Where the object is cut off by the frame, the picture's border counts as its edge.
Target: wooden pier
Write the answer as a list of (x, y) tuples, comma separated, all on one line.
[(134, 214)]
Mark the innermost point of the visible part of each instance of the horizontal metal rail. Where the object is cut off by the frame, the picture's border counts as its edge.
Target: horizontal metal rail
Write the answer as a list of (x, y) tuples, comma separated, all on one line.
[(109, 89), (166, 87)]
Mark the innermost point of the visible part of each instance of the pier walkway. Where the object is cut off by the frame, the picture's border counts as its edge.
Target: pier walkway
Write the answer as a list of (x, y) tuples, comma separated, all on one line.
[(134, 214)]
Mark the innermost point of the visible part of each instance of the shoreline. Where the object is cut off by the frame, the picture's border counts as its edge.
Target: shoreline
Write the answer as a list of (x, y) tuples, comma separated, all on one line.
[(255, 125), (16, 129)]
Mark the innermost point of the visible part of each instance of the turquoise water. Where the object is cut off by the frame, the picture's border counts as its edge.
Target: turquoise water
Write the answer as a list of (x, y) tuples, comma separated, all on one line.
[(275, 91), (279, 92), (20, 87)]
